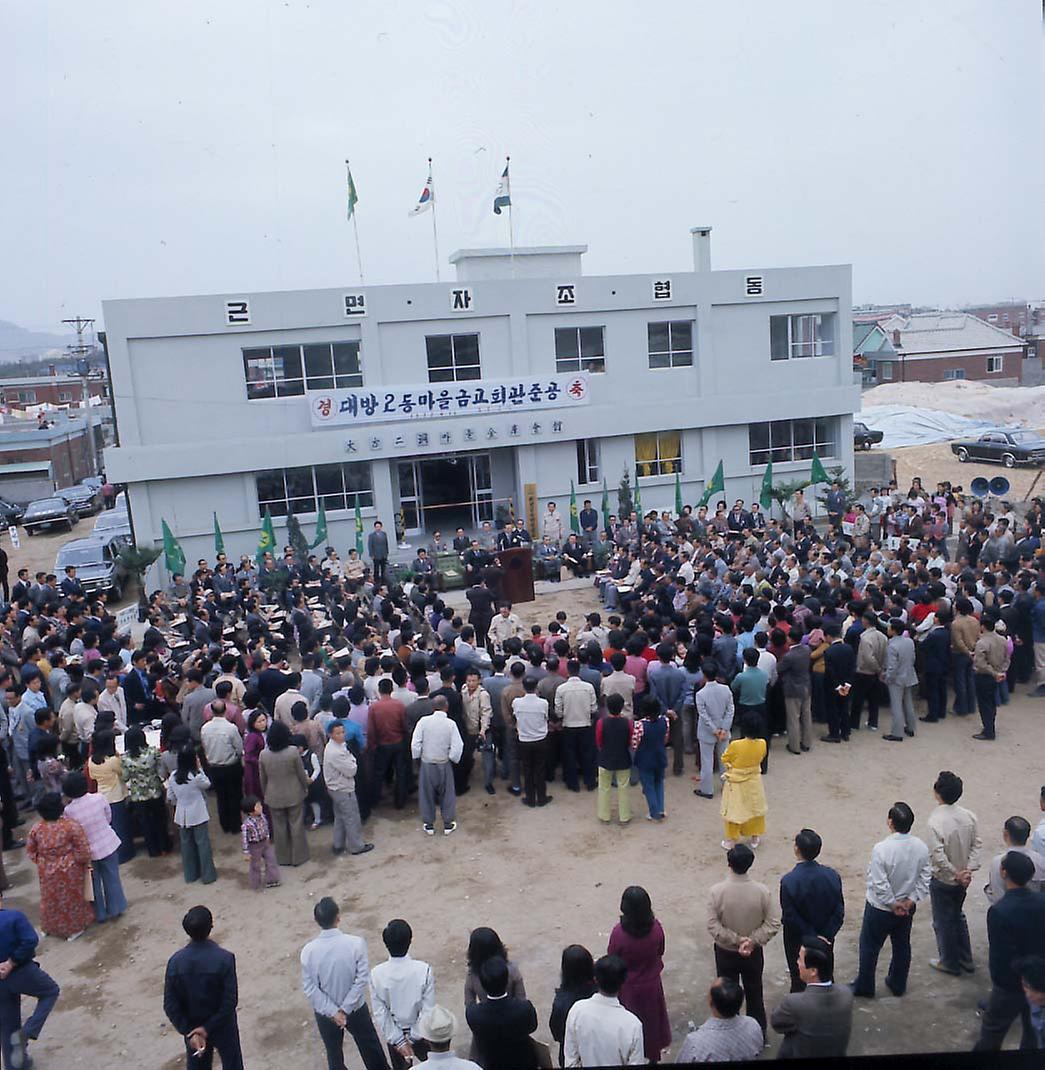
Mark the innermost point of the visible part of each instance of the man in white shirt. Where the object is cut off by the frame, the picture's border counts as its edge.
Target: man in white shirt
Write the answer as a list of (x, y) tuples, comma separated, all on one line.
[(401, 990), (530, 713), (437, 1027), (438, 744), (954, 852), (599, 1031), (576, 706), (897, 879), (334, 977), (1015, 834), (223, 749), (112, 700), (506, 625), (1037, 842)]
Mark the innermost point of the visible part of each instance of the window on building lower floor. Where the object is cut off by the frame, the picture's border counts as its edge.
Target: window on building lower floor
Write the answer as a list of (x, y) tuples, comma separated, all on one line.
[(658, 453), (288, 371), (670, 344), (64, 395), (792, 440), (580, 349), (299, 490), (587, 460), (808, 335), (27, 397), (954, 373), (885, 370), (453, 358), (995, 364)]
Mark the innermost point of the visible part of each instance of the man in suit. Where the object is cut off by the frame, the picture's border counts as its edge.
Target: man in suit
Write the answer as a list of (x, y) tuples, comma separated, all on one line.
[(816, 1023), (200, 994), (811, 902), (936, 666), (480, 615), (901, 679), (1015, 930), (502, 1024), (739, 518), (714, 702), (839, 674), (136, 691), (666, 682)]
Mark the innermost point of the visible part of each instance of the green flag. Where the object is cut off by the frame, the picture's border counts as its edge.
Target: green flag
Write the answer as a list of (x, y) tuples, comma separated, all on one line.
[(817, 473), (717, 485), (575, 524), (765, 499), (351, 191), (173, 553), (266, 538), (359, 529), (638, 495), (321, 525), (678, 494), (605, 506), (219, 541)]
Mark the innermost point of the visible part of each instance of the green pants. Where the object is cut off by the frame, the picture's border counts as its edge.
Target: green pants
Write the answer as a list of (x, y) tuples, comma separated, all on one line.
[(606, 781)]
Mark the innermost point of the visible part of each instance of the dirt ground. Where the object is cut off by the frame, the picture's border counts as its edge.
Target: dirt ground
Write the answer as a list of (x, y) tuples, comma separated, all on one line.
[(938, 460), (543, 879)]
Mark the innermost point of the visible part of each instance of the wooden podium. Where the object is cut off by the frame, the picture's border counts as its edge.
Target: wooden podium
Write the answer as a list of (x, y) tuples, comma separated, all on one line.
[(517, 585)]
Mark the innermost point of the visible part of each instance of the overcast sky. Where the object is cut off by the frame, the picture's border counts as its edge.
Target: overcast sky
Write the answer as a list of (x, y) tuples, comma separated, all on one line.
[(195, 148)]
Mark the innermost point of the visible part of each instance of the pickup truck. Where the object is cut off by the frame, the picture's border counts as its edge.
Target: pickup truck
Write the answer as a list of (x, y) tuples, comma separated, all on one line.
[(864, 438), (1007, 446)]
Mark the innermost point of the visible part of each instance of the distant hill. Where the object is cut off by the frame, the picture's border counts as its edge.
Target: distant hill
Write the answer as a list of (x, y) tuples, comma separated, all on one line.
[(17, 343)]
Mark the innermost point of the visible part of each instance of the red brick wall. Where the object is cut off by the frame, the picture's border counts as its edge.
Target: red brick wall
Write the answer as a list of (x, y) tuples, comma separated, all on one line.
[(934, 370), (48, 393), (68, 459)]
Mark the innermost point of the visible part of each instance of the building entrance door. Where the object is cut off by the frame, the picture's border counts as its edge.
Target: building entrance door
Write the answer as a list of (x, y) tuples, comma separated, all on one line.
[(445, 493)]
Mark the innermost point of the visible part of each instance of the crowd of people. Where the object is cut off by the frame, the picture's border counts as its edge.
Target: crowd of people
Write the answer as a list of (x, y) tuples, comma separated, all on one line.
[(302, 693)]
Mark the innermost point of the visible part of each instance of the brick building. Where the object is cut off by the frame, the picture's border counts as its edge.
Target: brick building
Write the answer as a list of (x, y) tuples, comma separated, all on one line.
[(49, 390), (34, 461), (934, 347), (1011, 316)]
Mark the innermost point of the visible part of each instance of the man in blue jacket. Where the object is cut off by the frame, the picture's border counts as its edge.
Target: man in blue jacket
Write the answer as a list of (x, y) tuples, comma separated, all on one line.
[(200, 994), (811, 902), (21, 976)]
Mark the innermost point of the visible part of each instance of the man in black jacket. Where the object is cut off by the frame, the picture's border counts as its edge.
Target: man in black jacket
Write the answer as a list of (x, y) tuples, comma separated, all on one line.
[(502, 1024), (936, 666), (839, 674), (811, 902), (200, 994), (1015, 930), (481, 600)]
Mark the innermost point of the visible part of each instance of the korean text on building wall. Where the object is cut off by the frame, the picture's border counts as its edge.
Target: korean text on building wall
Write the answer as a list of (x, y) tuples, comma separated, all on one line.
[(339, 408)]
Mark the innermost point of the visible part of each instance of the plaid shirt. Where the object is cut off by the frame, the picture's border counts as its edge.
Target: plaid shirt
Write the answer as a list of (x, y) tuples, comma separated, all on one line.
[(255, 830)]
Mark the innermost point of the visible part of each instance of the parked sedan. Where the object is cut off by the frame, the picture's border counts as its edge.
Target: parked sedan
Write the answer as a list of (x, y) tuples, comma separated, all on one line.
[(85, 500), (1007, 447), (10, 513), (864, 438), (49, 513)]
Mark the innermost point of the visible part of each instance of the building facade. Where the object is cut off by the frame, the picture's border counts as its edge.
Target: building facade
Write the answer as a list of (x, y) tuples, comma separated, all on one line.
[(444, 405), (35, 461), (54, 390)]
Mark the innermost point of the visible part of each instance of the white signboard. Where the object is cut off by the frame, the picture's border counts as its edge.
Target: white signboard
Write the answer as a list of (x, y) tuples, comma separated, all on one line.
[(237, 312), (753, 286), (16, 542), (348, 408), (126, 619), (893, 542)]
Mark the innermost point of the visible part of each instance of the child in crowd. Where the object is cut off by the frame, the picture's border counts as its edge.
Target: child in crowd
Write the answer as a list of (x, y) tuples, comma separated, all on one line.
[(257, 844)]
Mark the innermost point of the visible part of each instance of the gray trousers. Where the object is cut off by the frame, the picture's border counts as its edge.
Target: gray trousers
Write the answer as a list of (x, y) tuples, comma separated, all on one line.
[(799, 720), (901, 704), (435, 787), (710, 749), (348, 829)]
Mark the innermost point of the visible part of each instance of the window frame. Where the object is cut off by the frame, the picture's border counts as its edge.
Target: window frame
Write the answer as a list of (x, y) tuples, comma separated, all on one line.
[(454, 367), (662, 465), (671, 352), (785, 448), (580, 363), (953, 375), (588, 458), (281, 506), (1000, 364), (883, 367), (278, 387), (822, 344)]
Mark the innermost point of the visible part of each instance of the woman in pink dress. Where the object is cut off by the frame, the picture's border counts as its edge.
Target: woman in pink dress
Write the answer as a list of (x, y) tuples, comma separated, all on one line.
[(639, 940)]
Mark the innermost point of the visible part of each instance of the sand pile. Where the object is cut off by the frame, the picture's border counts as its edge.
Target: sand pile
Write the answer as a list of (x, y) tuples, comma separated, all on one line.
[(997, 405)]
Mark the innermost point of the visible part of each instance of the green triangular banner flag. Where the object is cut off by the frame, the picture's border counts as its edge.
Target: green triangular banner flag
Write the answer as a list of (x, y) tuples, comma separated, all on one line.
[(678, 494), (605, 506), (575, 524), (765, 499), (174, 555), (219, 541), (266, 538), (717, 485), (817, 473), (321, 525), (359, 529)]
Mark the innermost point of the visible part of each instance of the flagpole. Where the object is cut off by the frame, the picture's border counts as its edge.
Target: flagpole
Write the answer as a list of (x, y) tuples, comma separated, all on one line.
[(435, 234), (355, 229), (511, 232)]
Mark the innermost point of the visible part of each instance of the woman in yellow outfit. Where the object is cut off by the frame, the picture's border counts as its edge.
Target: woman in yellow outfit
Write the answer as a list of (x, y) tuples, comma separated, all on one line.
[(743, 797)]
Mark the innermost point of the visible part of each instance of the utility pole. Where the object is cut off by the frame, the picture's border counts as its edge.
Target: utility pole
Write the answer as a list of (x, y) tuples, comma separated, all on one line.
[(83, 366)]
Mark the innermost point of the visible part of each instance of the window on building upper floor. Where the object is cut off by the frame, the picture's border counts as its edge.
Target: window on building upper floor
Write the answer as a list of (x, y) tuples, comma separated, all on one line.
[(64, 395), (27, 397), (792, 440), (954, 373), (658, 453), (807, 335), (453, 358), (885, 370), (580, 349), (288, 371), (670, 344), (299, 490), (995, 364), (587, 460)]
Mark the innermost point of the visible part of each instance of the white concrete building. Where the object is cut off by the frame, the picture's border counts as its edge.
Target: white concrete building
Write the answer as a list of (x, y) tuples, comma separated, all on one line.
[(443, 401)]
